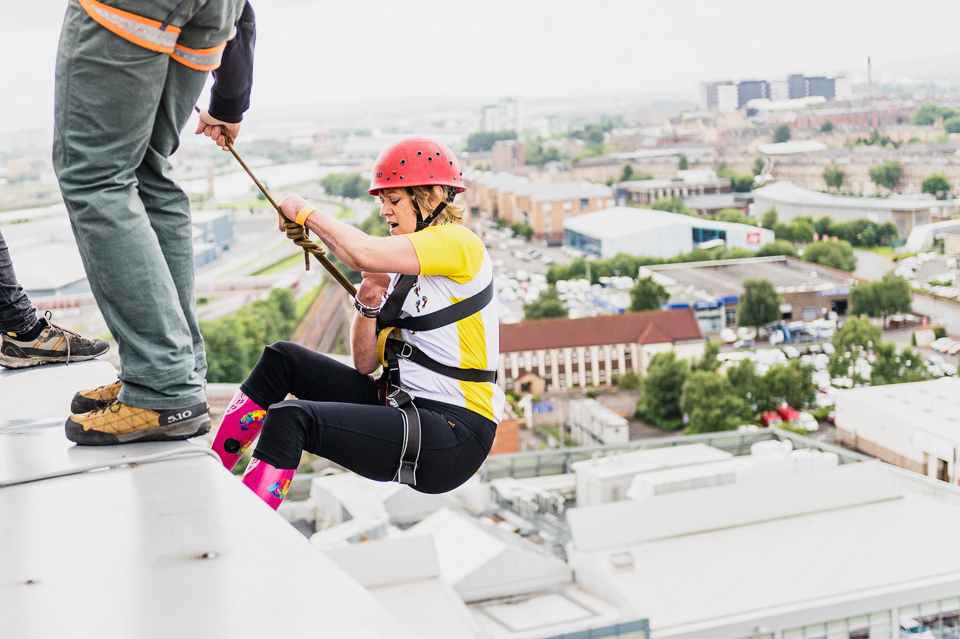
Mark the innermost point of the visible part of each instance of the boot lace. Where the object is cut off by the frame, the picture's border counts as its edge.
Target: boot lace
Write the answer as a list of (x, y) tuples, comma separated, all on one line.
[(49, 316)]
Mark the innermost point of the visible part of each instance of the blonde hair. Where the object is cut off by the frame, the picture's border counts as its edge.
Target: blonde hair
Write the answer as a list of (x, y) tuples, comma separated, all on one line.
[(425, 198)]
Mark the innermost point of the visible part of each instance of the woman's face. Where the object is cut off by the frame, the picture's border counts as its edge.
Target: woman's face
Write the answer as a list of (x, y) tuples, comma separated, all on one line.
[(397, 209)]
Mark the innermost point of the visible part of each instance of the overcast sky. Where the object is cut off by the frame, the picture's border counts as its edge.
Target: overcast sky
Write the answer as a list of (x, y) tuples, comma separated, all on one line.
[(342, 52)]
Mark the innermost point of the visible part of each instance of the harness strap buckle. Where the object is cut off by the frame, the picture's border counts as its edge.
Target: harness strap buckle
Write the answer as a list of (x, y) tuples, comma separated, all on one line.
[(406, 352)]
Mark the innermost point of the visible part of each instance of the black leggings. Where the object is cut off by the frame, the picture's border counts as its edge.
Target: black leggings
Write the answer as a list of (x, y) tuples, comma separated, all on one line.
[(337, 415)]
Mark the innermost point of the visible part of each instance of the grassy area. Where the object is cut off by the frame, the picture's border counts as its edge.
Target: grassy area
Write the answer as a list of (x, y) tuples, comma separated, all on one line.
[(303, 304), (886, 251), (280, 265)]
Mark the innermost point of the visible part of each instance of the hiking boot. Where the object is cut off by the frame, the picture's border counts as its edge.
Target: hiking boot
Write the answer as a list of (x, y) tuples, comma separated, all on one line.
[(54, 345), (118, 423), (100, 397)]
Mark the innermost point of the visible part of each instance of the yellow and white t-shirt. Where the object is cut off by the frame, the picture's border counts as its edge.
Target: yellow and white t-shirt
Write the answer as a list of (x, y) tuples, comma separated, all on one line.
[(454, 265)]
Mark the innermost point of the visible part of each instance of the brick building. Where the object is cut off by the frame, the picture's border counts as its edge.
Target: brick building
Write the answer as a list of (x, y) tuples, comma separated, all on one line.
[(560, 353), (684, 184), (507, 155)]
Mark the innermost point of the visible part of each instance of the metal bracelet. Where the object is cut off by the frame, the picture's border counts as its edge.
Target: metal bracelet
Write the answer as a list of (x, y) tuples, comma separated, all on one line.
[(370, 312)]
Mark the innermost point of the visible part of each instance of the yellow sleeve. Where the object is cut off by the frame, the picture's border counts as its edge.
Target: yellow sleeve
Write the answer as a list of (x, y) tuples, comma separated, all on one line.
[(450, 250)]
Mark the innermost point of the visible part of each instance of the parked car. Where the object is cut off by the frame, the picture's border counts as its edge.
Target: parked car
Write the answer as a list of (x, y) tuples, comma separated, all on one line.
[(914, 629)]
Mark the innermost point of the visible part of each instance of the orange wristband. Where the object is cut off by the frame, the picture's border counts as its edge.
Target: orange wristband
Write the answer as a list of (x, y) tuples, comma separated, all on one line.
[(304, 213)]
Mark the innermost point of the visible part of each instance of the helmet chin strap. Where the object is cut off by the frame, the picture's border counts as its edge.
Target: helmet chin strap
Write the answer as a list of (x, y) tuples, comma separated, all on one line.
[(422, 224)]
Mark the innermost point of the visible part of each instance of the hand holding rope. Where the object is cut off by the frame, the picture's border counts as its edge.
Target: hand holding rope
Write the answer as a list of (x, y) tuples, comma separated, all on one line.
[(294, 231)]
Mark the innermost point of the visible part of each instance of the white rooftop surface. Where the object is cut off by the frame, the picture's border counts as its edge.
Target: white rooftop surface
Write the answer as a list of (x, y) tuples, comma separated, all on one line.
[(785, 148), (922, 235), (44, 253), (483, 562), (792, 194), (617, 222), (932, 406), (156, 549), (789, 544), (652, 459)]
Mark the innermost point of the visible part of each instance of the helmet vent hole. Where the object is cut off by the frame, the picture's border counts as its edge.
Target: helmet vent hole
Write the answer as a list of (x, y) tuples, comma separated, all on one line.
[(419, 152), (403, 161), (429, 159), (401, 177), (431, 175), (451, 162), (438, 153)]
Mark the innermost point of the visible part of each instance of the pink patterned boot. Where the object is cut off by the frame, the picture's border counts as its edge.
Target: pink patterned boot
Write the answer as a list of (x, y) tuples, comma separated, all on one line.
[(269, 483), (240, 426)]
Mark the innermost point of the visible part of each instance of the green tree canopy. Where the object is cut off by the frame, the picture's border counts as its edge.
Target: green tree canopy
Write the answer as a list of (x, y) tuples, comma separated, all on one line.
[(351, 185), (897, 367), (758, 165), (952, 125), (548, 304), (627, 174), (791, 383), (801, 231), (672, 205), (769, 219), (936, 184), (485, 140), (782, 134), (833, 176), (735, 216), (887, 296), (662, 388), (647, 295), (739, 182), (683, 164), (711, 404), (826, 127), (887, 174), (837, 255), (535, 155), (708, 361), (931, 112), (522, 228), (855, 338), (375, 225), (759, 304), (777, 247)]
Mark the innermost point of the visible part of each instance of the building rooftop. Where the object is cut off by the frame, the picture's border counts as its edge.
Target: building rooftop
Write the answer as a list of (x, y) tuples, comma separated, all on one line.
[(619, 221), (724, 278), (151, 539), (788, 193), (647, 327), (929, 406)]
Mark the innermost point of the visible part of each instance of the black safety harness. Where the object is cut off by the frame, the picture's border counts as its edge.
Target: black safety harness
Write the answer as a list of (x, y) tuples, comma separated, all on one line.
[(391, 348)]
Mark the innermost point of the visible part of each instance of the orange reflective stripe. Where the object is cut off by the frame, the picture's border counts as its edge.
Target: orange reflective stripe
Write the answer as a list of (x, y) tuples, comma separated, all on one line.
[(133, 28), (147, 33), (199, 59)]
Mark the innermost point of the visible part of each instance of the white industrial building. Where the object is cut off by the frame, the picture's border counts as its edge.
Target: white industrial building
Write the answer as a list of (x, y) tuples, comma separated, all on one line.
[(593, 423), (653, 233), (793, 201), (915, 426)]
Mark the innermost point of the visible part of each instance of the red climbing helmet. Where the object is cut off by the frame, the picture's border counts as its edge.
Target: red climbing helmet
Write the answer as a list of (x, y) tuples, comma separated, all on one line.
[(416, 162)]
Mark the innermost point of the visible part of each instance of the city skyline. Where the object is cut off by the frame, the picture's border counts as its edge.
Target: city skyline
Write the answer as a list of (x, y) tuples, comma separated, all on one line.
[(528, 49)]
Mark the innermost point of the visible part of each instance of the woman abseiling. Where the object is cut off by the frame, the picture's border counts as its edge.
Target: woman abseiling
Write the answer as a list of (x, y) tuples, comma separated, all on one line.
[(425, 311)]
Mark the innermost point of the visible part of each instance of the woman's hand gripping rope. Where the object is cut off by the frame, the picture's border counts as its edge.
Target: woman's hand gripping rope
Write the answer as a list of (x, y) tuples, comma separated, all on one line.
[(294, 231)]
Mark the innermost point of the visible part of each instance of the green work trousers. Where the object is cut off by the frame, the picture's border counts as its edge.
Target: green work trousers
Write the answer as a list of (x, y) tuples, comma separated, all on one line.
[(119, 112)]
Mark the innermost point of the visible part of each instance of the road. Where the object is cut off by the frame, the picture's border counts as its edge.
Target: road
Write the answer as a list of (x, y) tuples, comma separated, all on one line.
[(871, 266)]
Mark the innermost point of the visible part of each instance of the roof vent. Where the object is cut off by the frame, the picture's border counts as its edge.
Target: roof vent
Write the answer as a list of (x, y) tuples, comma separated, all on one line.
[(622, 560)]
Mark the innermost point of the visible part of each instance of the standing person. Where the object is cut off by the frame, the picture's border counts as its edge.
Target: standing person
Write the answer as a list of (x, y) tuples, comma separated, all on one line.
[(425, 310), (27, 340), (128, 75)]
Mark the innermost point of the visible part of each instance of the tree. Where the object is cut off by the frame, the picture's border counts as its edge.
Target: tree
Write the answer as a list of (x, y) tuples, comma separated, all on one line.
[(672, 205), (711, 404), (739, 182), (522, 228), (375, 225), (790, 383), (833, 176), (826, 127), (897, 367), (782, 134), (548, 304), (936, 184), (777, 247), (758, 165), (629, 380), (889, 295), (838, 255), (759, 304), (683, 164), (931, 112), (485, 140), (662, 388), (769, 219), (353, 185), (952, 125), (887, 174), (801, 231), (647, 295), (782, 231), (734, 216), (627, 174), (855, 338), (708, 361)]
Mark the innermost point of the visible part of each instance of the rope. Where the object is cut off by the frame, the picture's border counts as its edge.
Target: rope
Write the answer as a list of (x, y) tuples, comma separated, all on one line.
[(299, 235)]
